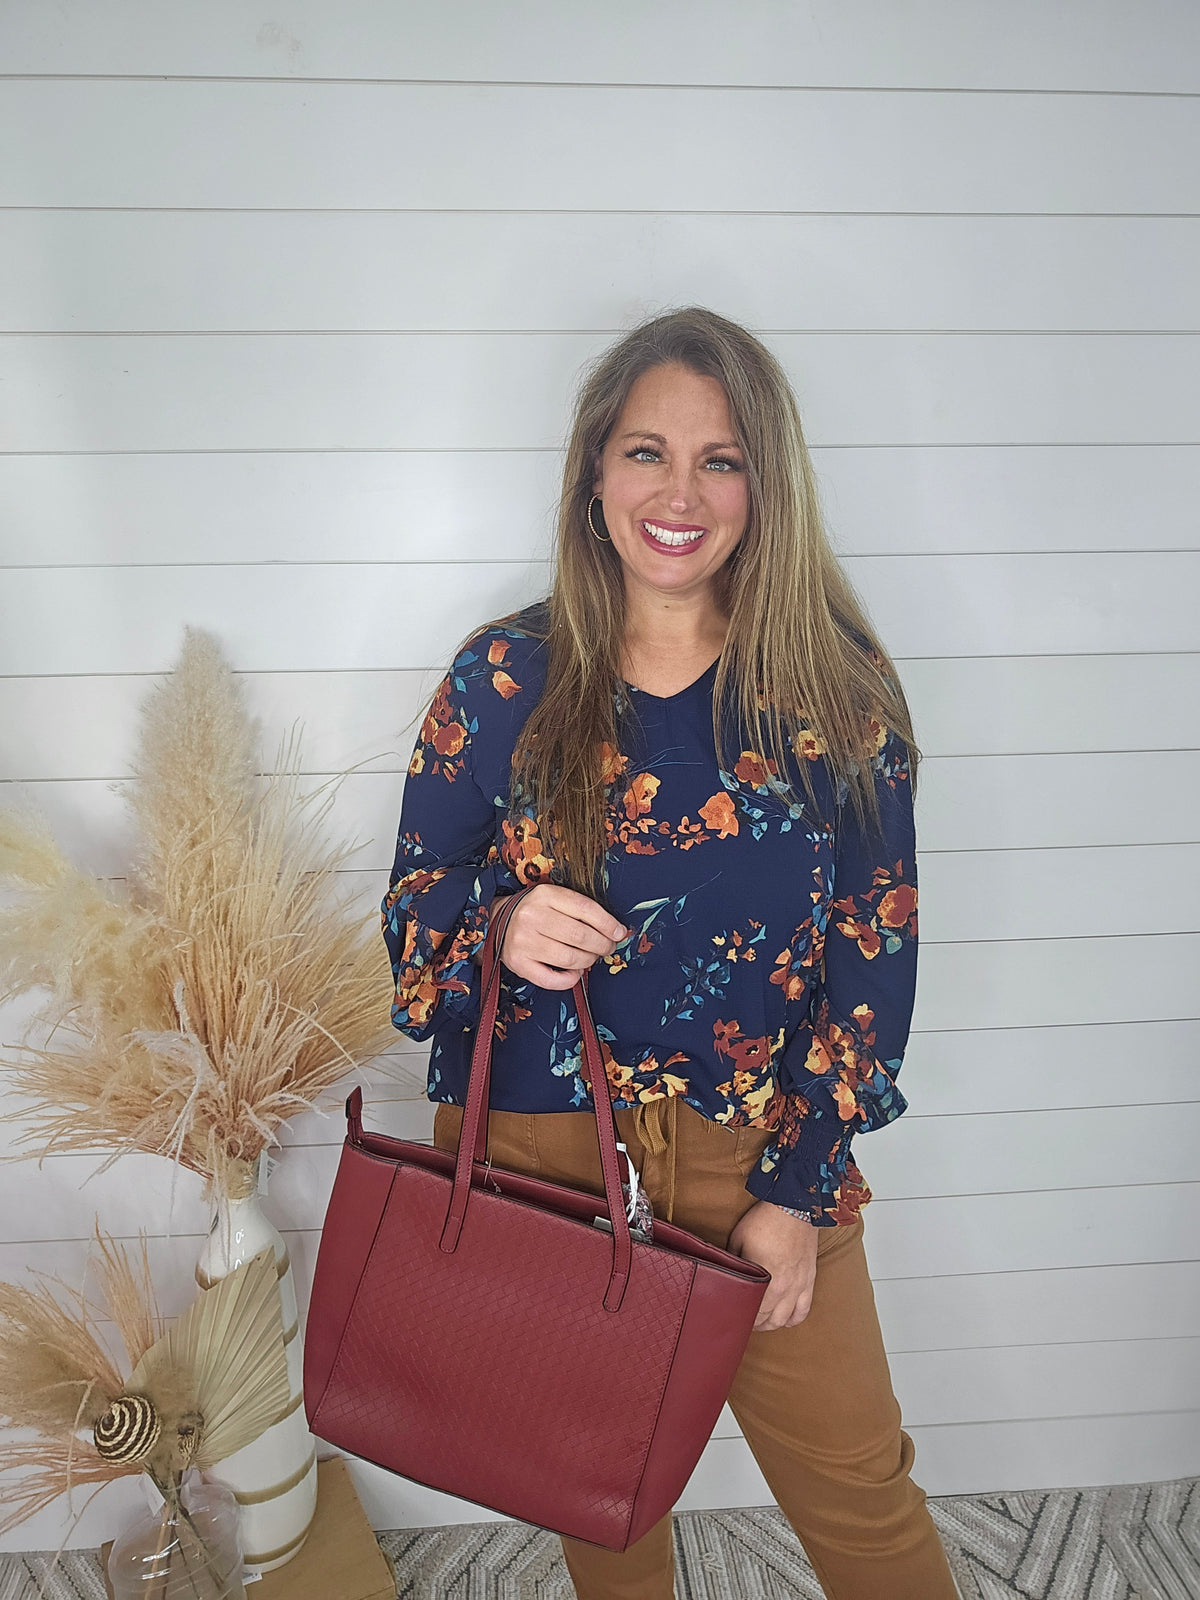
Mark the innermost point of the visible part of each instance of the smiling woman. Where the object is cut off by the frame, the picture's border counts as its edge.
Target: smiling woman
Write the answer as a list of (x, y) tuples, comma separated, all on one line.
[(675, 505), (650, 481), (690, 423), (697, 756)]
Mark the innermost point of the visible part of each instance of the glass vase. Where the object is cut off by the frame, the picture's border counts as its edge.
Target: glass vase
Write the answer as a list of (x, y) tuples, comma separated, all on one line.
[(188, 1549)]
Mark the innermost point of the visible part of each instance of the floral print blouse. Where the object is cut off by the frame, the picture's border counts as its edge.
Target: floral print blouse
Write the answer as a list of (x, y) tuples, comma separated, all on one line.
[(770, 973)]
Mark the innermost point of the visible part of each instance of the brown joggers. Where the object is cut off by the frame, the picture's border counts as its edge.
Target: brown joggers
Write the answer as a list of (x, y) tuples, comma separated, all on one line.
[(814, 1401)]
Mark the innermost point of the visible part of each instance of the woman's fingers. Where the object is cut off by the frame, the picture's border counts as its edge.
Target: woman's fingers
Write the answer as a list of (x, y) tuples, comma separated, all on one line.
[(554, 907), (588, 911), (571, 932), (562, 973), (556, 933), (548, 977), (547, 952), (550, 963)]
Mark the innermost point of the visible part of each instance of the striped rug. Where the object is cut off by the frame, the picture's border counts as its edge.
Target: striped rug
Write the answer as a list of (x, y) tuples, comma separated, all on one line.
[(1136, 1542)]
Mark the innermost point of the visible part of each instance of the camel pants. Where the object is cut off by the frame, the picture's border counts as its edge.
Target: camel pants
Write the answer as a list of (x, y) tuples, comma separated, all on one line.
[(814, 1401)]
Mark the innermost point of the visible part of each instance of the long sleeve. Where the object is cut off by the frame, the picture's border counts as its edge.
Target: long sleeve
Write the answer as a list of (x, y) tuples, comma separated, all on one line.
[(838, 1071), (447, 867)]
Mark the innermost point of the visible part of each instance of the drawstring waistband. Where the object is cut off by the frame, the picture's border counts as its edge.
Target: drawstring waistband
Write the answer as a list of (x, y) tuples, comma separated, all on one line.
[(650, 1118), (654, 1123)]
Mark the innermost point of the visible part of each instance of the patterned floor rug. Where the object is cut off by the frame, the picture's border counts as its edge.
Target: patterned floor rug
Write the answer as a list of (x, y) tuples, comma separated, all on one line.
[(1136, 1542)]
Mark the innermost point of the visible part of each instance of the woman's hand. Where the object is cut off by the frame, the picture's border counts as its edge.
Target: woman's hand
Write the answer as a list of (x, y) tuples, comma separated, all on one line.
[(555, 934), (787, 1247)]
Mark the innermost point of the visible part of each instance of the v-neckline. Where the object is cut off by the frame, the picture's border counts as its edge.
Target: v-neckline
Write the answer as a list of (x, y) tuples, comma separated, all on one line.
[(667, 699)]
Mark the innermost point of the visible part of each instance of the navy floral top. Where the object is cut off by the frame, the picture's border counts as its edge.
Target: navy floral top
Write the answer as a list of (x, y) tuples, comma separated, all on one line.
[(770, 973)]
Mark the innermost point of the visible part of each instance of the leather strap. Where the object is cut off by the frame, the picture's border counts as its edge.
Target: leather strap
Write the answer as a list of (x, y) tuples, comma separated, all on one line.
[(472, 1143)]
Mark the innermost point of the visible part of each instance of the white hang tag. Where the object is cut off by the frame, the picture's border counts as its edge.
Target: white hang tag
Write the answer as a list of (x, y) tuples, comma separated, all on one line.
[(631, 1188)]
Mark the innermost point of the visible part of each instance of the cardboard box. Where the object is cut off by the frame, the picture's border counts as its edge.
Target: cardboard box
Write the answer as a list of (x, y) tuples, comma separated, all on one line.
[(340, 1559)]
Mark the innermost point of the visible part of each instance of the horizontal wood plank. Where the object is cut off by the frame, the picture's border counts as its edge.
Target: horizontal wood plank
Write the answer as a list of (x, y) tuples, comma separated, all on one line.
[(1152, 50), (334, 617), (217, 271), (969, 1154), (1032, 1231), (947, 1074), (181, 143), (439, 391), (1049, 983), (1051, 1153), (1013, 1069), (1084, 1147), (1052, 705), (990, 1458), (402, 504), (1143, 1301), (992, 804), (1034, 884), (1069, 1307), (1024, 892), (85, 726), (1029, 1382)]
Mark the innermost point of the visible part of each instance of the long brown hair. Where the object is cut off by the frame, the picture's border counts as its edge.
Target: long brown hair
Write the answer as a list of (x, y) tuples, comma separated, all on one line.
[(799, 651)]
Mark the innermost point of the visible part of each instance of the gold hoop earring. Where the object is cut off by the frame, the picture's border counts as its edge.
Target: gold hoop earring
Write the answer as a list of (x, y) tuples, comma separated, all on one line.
[(605, 538)]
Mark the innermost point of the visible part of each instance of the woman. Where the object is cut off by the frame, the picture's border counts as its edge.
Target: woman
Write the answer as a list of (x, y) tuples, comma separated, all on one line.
[(631, 744)]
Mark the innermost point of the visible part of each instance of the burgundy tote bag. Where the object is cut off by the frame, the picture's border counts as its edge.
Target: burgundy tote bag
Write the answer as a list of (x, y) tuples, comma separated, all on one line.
[(509, 1340)]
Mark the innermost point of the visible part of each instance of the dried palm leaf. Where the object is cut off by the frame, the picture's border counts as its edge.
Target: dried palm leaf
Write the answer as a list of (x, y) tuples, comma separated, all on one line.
[(229, 1344), (206, 1386)]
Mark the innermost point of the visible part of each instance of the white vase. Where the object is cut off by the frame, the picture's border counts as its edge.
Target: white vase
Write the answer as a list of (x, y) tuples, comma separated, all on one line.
[(274, 1477)]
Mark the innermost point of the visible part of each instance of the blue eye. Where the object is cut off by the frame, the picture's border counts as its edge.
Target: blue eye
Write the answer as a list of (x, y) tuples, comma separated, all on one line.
[(725, 462)]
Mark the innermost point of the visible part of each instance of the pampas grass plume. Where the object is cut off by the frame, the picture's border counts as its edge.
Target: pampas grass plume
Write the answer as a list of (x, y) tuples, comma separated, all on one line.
[(229, 986)]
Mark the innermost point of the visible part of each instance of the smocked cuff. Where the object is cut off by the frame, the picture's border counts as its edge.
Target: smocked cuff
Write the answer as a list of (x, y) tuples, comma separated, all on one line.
[(814, 1174)]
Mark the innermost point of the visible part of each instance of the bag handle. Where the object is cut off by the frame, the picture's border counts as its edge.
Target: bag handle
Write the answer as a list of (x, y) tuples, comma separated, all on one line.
[(472, 1139)]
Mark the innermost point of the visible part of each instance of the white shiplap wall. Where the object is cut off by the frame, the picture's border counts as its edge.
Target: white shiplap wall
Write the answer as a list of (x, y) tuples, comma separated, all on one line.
[(291, 312)]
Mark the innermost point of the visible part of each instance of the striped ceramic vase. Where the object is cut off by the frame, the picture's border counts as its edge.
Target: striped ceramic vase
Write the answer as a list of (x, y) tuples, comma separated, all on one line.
[(274, 1477)]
